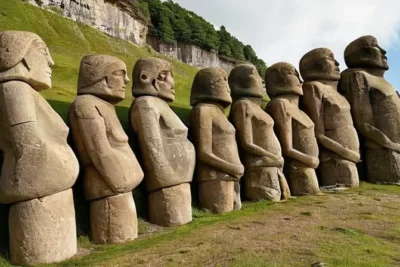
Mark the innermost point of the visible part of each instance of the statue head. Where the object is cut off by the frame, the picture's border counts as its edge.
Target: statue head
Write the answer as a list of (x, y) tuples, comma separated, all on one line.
[(103, 76), (25, 57), (319, 64), (153, 77), (282, 78), (365, 52), (244, 81), (210, 85)]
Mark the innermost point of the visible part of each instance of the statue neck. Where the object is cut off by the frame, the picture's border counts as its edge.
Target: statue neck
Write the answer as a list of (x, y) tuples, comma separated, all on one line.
[(331, 83), (376, 72), (293, 98)]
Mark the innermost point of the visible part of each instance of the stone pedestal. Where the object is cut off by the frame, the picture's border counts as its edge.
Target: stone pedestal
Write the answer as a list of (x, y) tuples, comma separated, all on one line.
[(43, 230), (217, 196), (262, 183), (383, 166), (171, 206), (303, 180), (113, 219), (338, 171)]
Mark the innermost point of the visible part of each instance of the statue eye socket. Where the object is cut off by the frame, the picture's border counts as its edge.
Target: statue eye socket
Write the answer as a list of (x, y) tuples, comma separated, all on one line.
[(162, 76), (43, 51), (119, 73)]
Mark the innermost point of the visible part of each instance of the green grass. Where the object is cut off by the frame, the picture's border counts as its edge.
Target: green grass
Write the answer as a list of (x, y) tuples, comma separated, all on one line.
[(69, 42)]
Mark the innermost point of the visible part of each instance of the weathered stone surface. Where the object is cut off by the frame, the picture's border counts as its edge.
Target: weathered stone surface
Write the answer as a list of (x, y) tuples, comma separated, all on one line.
[(110, 166), (113, 219), (294, 128), (37, 159), (375, 108), (260, 149), (214, 139), (191, 54), (331, 115), (171, 206), (168, 156), (107, 17), (217, 196), (43, 230)]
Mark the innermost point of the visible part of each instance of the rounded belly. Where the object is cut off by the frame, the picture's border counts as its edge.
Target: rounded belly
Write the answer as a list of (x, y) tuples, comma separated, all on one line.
[(345, 135)]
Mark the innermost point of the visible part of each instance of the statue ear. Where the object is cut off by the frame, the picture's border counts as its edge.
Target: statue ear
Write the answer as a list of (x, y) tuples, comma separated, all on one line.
[(25, 63)]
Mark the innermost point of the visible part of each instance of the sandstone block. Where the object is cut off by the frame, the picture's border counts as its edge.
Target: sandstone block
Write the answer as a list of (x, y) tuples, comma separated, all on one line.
[(43, 230)]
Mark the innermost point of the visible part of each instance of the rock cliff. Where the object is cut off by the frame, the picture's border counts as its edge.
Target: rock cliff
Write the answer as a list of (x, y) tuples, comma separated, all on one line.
[(112, 18), (116, 18), (192, 55)]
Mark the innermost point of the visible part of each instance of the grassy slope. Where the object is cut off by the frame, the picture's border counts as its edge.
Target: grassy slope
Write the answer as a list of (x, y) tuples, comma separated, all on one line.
[(69, 41), (367, 238)]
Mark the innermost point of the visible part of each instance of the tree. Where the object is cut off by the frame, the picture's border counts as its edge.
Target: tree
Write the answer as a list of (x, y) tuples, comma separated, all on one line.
[(225, 42)]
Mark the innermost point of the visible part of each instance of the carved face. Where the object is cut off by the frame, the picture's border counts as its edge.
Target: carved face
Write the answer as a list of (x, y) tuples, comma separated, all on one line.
[(153, 77), (319, 64), (331, 66), (377, 55), (365, 52), (283, 78), (116, 83), (164, 85), (211, 85), (245, 81), (103, 76), (39, 63)]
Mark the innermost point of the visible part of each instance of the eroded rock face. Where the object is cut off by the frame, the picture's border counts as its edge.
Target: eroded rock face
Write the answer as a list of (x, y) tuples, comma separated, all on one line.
[(43, 230), (331, 115), (375, 108), (110, 166), (168, 156), (259, 147), (218, 163), (295, 130), (39, 167), (104, 15)]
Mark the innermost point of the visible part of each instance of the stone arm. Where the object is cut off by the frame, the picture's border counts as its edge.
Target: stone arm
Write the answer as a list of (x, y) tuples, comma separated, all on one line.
[(363, 114), (203, 133), (18, 107), (283, 124), (244, 128), (314, 107), (93, 133)]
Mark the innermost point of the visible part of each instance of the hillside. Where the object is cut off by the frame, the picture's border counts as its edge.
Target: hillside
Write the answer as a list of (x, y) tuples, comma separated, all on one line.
[(69, 41)]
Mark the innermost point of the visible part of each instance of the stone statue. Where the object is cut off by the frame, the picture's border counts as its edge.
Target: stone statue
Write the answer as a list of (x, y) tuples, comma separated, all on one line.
[(218, 165), (375, 108), (330, 112), (39, 167), (111, 170), (259, 148), (294, 128), (168, 156)]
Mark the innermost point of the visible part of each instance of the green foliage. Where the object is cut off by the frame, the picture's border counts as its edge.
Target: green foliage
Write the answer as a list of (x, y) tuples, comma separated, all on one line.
[(173, 23)]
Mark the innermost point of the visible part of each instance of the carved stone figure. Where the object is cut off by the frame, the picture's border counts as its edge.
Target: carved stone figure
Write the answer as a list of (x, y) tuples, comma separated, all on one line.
[(218, 165), (39, 167), (111, 170), (259, 148), (375, 108), (168, 156), (294, 128), (330, 112)]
